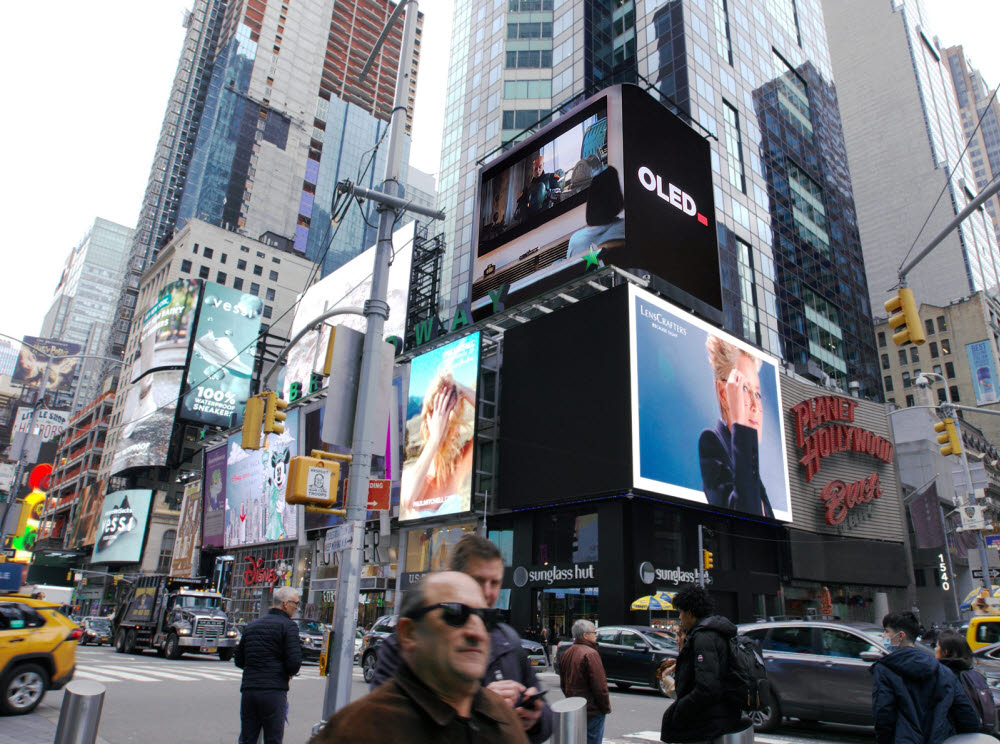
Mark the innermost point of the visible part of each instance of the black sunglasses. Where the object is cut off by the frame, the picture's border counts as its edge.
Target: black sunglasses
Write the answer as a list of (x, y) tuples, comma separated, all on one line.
[(457, 614)]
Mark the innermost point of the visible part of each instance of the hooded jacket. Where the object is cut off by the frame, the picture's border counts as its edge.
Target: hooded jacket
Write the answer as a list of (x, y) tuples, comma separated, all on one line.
[(702, 710), (917, 700)]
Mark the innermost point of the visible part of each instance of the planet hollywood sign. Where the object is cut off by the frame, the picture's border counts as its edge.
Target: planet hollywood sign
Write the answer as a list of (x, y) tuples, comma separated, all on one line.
[(823, 427)]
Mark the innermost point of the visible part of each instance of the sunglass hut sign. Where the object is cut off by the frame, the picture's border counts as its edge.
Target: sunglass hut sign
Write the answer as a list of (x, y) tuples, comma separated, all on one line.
[(823, 427)]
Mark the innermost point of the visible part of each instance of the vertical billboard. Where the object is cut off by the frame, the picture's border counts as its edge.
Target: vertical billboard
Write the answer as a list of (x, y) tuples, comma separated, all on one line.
[(213, 528), (166, 328), (39, 353), (983, 367), (184, 562), (121, 528), (87, 510), (147, 421), (256, 511), (218, 376), (706, 413), (618, 180), (440, 431)]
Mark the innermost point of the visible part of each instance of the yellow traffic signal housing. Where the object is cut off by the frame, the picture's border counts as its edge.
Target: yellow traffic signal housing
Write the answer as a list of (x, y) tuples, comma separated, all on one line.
[(948, 436), (907, 318), (253, 417), (709, 561), (315, 480), (273, 413)]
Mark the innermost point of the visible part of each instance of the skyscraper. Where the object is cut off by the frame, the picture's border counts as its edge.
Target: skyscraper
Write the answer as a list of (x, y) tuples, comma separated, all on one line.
[(755, 79), (83, 304), (266, 115), (904, 139)]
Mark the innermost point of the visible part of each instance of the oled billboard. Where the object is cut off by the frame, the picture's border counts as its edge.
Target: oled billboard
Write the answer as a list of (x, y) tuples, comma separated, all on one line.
[(706, 413), (218, 375), (166, 328), (121, 528), (440, 433), (36, 354), (618, 180)]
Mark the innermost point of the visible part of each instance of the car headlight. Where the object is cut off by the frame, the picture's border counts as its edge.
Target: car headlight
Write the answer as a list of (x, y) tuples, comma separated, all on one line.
[(184, 631), (231, 634)]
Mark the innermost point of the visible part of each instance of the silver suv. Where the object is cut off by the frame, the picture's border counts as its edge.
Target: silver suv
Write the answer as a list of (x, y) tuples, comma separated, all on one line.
[(818, 670)]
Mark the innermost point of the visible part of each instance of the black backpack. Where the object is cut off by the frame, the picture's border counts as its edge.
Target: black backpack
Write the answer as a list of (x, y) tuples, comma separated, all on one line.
[(982, 699), (746, 682)]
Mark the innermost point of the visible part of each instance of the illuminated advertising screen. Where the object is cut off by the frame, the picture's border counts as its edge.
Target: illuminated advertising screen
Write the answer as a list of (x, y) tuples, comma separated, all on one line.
[(983, 367), (218, 376), (184, 562), (256, 511), (213, 528), (618, 180), (147, 421), (85, 524), (166, 328), (706, 413), (36, 354), (121, 528), (440, 431)]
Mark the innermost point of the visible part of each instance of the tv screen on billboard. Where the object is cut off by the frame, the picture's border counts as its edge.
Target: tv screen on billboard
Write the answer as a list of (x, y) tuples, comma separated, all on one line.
[(36, 354), (147, 421), (184, 562), (440, 431), (218, 376), (166, 328), (213, 523), (121, 528), (706, 413), (256, 511)]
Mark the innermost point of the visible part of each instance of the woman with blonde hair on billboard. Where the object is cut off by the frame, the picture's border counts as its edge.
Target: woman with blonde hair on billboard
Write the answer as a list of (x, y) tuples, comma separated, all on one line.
[(729, 453), (439, 480)]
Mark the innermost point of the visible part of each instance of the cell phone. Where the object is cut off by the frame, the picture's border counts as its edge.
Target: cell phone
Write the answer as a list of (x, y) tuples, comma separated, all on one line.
[(524, 701)]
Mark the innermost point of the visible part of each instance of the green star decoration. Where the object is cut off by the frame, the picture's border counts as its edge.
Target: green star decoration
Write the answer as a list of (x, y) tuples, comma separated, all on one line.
[(592, 261)]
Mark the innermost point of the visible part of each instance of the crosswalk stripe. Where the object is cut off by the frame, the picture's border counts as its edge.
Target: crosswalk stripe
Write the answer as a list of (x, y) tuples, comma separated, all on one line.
[(159, 673), (94, 676), (129, 675)]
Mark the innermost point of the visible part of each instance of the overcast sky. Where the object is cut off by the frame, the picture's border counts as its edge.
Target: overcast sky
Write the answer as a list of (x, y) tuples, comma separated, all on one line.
[(87, 86)]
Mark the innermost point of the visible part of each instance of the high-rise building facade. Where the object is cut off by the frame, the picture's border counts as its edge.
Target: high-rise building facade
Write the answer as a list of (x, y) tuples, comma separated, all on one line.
[(274, 116), (975, 102), (904, 140), (754, 78), (83, 305)]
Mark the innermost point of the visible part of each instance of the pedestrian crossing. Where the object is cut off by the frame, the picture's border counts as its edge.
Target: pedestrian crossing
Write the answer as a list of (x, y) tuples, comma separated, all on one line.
[(107, 667)]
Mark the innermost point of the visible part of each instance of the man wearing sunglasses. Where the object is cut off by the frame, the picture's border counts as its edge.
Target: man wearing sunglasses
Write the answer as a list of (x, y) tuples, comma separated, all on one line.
[(435, 695), (508, 673)]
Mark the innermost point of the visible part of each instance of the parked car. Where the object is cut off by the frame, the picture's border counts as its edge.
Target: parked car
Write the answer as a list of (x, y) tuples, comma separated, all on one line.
[(96, 630), (384, 626), (311, 637), (536, 653), (631, 654), (358, 636), (37, 651), (818, 670)]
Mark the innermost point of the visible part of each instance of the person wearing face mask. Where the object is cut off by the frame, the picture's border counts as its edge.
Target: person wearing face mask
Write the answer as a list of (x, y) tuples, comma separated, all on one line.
[(916, 699)]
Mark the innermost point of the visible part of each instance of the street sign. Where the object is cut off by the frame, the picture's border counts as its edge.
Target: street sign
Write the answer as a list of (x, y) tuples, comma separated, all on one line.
[(379, 493), (339, 538), (977, 573)]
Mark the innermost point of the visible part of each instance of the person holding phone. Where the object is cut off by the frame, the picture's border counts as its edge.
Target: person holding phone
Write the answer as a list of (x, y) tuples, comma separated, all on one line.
[(581, 674)]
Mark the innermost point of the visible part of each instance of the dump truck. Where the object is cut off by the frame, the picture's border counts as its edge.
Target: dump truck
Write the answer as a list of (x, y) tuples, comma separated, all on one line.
[(173, 617)]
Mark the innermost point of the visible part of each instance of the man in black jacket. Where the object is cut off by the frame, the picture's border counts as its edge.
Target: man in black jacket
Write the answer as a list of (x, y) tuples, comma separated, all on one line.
[(508, 673), (702, 710), (270, 654)]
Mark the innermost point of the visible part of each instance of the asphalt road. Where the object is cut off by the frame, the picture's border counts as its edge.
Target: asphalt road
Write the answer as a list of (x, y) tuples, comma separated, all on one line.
[(196, 699)]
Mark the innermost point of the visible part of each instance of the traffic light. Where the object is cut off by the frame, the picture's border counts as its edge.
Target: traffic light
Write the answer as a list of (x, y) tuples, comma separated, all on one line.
[(906, 317), (948, 436), (708, 559), (274, 412), (253, 416)]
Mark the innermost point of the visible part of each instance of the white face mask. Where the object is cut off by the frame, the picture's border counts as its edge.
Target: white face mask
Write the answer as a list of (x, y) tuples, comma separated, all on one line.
[(891, 642)]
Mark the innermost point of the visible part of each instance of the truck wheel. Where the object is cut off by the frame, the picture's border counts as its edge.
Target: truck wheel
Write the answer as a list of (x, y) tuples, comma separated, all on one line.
[(173, 647), (130, 643), (226, 654), (120, 641)]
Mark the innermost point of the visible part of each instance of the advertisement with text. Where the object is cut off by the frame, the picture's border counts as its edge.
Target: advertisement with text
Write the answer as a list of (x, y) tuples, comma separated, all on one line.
[(121, 528), (166, 328), (147, 421), (58, 356), (185, 559), (214, 509)]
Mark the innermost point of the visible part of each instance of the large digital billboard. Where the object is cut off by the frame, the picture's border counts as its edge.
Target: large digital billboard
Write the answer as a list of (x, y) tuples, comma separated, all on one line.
[(983, 368), (36, 354), (213, 524), (121, 528), (256, 511), (218, 376), (166, 328), (184, 562), (440, 431), (87, 510), (147, 421), (706, 413), (618, 180)]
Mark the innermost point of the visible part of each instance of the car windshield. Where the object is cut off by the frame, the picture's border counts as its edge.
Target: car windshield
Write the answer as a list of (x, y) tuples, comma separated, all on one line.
[(202, 602), (310, 626), (99, 624), (659, 639)]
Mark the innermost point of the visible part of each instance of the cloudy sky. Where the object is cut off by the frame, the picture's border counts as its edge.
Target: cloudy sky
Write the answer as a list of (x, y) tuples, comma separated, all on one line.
[(87, 87)]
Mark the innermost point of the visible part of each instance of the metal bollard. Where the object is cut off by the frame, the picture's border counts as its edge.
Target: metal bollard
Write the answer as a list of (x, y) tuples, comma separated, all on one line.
[(970, 739), (736, 737), (570, 723), (80, 714)]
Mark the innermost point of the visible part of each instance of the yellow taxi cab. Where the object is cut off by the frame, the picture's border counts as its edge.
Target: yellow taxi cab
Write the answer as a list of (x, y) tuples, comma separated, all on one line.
[(37, 651)]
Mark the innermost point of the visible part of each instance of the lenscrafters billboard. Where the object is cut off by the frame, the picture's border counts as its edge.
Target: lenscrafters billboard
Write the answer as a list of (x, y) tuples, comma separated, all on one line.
[(121, 528), (618, 180), (218, 376), (58, 355)]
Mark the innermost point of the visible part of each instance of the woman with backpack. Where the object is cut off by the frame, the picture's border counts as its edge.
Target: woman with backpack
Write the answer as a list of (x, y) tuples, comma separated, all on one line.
[(953, 651)]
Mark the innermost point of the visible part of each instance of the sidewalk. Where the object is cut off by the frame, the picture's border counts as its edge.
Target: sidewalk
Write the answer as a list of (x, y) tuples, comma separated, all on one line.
[(38, 727)]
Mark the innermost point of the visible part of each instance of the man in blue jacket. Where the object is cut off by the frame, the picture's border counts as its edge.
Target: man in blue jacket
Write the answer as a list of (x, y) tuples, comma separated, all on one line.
[(916, 699), (270, 654)]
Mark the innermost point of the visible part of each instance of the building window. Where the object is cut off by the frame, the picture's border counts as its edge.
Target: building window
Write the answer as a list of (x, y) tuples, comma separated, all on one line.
[(902, 356), (241, 264), (929, 325), (808, 210), (934, 349), (885, 361), (273, 276), (222, 258), (748, 292), (725, 44), (208, 252), (881, 339), (185, 266), (919, 577), (244, 249), (942, 324), (906, 380), (220, 278), (261, 254), (949, 370), (258, 270), (267, 311), (203, 272), (937, 369), (237, 283), (275, 259), (955, 397), (195, 249), (945, 346), (914, 354), (734, 147), (909, 401), (269, 293), (166, 551), (255, 289), (888, 384), (942, 396)]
